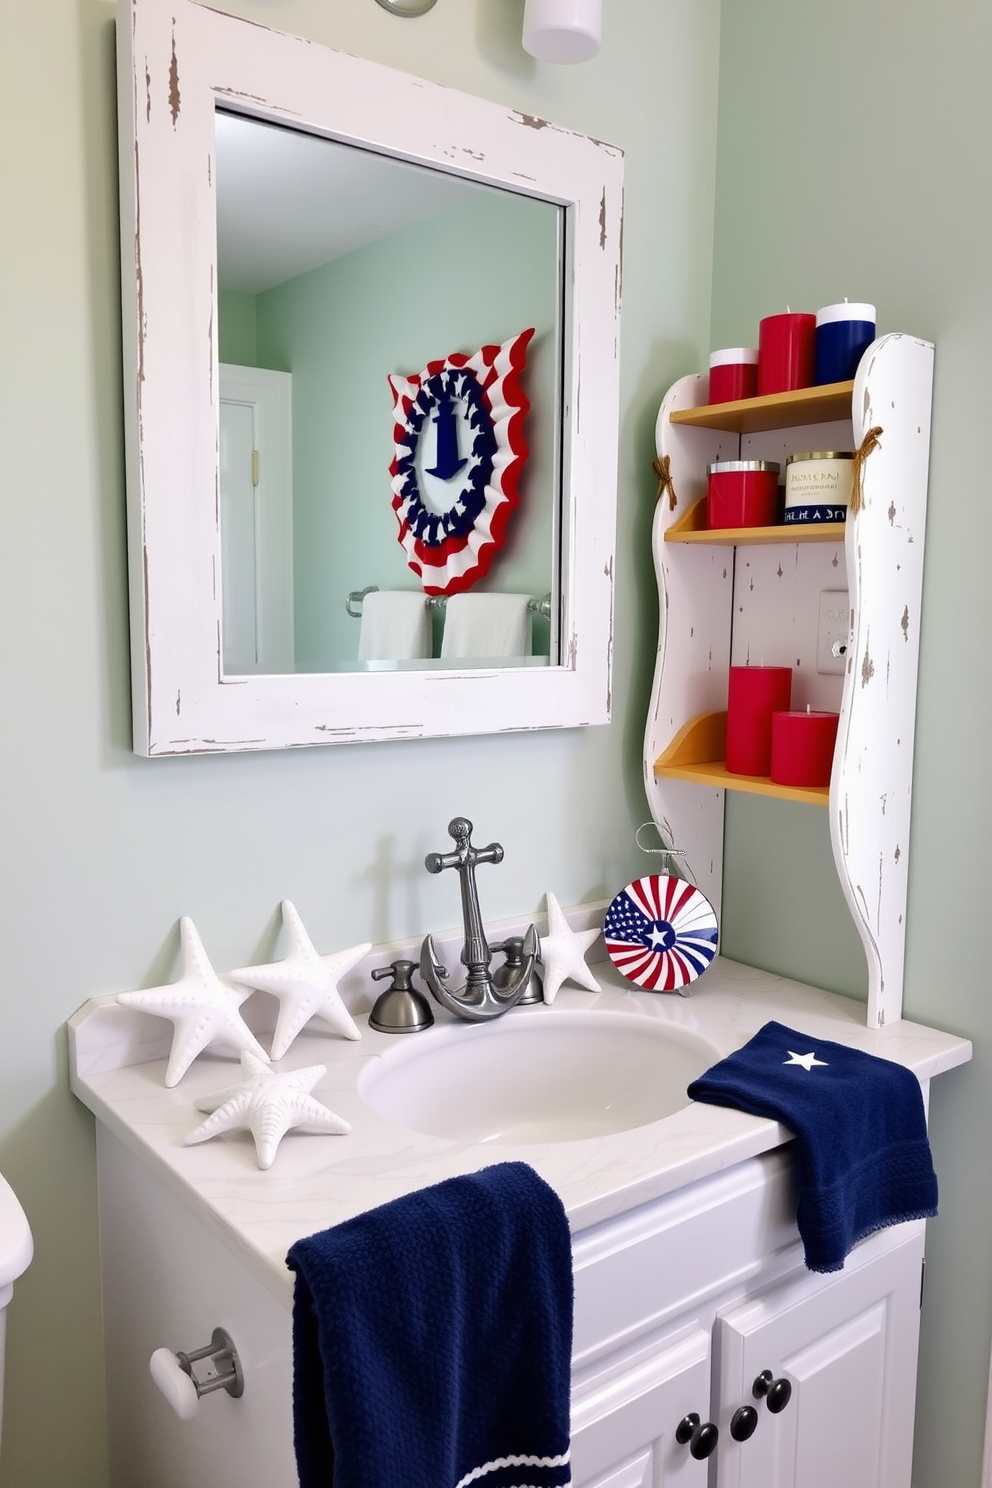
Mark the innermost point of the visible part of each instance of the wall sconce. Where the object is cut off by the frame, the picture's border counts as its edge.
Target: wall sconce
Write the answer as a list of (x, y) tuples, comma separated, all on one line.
[(554, 30), (408, 7), (563, 30)]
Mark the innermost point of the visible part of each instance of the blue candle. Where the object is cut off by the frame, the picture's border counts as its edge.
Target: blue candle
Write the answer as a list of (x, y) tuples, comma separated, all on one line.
[(843, 334)]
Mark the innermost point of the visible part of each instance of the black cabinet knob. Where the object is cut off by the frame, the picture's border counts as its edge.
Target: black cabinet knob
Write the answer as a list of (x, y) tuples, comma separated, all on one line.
[(743, 1423), (776, 1392), (779, 1396), (704, 1440), (701, 1436), (685, 1428)]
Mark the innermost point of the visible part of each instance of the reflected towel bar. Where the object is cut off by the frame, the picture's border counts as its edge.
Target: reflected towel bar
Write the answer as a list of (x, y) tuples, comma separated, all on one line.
[(353, 604)]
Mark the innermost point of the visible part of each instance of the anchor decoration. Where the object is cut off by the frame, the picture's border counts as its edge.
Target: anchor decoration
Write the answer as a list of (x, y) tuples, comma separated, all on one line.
[(483, 996), (446, 461), (459, 450)]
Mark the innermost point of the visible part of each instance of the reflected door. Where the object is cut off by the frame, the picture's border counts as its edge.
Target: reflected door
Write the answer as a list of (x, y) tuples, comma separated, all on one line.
[(256, 520)]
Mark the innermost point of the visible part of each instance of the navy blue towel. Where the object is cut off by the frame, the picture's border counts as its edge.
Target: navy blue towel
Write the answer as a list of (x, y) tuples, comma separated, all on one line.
[(862, 1152), (432, 1339)]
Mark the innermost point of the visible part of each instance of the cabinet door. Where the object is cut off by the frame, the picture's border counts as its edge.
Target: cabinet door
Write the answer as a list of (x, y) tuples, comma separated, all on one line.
[(168, 1282), (847, 1344), (624, 1420)]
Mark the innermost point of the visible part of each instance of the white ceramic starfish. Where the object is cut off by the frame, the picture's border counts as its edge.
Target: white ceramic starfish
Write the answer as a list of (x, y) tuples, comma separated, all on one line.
[(268, 1104), (202, 1008), (563, 953), (305, 983), (806, 1060)]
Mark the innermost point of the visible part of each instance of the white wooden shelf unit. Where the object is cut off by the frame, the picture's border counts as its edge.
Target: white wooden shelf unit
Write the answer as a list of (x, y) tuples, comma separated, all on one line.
[(751, 596)]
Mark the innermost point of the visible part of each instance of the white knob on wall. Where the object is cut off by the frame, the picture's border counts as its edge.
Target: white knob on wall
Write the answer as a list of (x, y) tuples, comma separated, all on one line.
[(173, 1373), (176, 1385)]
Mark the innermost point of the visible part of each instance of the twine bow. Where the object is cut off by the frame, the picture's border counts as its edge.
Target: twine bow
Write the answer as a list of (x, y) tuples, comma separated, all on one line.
[(869, 443), (662, 469)]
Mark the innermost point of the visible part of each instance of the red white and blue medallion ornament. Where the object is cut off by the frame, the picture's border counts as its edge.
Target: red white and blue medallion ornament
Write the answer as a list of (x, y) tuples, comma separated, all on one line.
[(460, 448), (660, 933)]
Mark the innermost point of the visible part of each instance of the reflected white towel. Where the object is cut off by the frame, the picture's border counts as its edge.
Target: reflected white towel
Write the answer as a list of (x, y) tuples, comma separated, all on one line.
[(396, 626), (485, 625)]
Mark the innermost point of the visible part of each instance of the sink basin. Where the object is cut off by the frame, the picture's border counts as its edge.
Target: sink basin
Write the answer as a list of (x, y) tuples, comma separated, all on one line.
[(537, 1075)]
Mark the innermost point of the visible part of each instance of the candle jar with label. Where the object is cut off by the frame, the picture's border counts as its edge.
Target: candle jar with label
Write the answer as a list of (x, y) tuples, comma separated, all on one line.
[(818, 486)]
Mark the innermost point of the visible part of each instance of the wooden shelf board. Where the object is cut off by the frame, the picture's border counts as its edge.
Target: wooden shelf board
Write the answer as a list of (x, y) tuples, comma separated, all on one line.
[(815, 405), (715, 773), (742, 537), (696, 753)]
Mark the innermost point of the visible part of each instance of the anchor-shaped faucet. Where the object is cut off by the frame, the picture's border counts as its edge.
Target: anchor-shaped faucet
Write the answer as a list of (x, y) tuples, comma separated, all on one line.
[(481, 997)]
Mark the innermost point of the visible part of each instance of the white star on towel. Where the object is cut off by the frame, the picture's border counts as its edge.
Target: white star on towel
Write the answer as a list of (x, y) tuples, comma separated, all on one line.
[(203, 1009), (563, 953), (806, 1060), (305, 983), (268, 1104)]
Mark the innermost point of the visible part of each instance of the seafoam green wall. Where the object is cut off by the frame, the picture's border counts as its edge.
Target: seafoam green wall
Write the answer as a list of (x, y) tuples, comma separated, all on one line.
[(237, 333), (102, 851), (480, 273), (853, 160)]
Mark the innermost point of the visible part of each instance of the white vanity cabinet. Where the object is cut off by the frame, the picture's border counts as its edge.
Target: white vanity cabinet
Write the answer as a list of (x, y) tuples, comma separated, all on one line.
[(847, 1344), (623, 1433), (751, 596), (689, 1277), (705, 1293), (679, 1305)]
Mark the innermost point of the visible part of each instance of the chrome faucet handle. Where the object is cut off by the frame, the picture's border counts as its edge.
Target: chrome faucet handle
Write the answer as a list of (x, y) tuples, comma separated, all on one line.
[(503, 976), (401, 1008)]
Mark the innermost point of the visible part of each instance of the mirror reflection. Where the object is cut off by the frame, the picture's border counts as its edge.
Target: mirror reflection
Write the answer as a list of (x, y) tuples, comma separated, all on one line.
[(349, 281)]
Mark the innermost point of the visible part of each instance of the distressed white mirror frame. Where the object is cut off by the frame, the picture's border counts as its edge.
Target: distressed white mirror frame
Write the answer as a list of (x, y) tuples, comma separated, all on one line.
[(178, 61)]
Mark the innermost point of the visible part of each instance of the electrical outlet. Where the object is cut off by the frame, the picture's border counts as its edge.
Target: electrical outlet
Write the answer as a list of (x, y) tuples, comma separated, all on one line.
[(833, 632)]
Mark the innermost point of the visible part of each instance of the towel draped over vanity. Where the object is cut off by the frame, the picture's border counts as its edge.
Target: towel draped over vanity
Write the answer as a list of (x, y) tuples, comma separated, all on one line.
[(862, 1154), (432, 1339)]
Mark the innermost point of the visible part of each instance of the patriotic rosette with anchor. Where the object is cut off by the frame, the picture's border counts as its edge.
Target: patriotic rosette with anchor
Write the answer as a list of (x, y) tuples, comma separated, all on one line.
[(459, 450), (660, 932)]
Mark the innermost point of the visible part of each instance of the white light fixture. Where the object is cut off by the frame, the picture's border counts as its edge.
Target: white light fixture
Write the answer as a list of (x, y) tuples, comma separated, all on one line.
[(563, 30)]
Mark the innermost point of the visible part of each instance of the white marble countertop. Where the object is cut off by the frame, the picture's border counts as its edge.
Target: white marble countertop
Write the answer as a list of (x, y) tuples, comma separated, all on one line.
[(117, 1062)]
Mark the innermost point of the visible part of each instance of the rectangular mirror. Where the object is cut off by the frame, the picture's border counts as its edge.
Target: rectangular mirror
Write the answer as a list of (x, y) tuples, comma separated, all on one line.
[(308, 232), (371, 352)]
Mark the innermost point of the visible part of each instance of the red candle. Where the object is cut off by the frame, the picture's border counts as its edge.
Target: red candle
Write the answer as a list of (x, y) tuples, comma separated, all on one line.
[(733, 374), (803, 747), (786, 352), (755, 693), (742, 493)]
